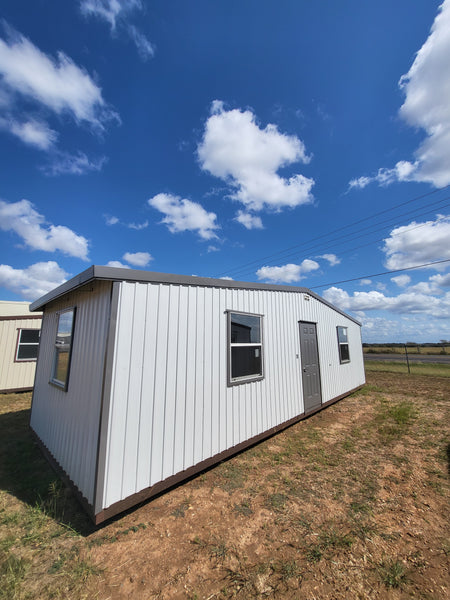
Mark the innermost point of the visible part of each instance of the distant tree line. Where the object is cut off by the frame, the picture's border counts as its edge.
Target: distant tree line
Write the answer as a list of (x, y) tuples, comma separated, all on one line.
[(429, 347)]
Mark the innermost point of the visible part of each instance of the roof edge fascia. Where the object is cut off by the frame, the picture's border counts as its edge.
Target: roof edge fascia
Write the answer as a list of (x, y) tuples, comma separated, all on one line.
[(97, 272)]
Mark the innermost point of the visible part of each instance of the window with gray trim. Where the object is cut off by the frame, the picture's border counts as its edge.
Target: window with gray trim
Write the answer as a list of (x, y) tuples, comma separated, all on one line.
[(245, 347), (63, 348), (344, 353), (27, 345)]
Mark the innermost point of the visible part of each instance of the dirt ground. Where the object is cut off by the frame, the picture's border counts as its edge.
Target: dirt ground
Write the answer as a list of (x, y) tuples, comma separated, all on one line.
[(350, 503)]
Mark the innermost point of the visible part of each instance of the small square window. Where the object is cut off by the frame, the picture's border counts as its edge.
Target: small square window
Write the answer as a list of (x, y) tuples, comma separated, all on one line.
[(245, 348), (344, 353), (27, 345), (63, 348)]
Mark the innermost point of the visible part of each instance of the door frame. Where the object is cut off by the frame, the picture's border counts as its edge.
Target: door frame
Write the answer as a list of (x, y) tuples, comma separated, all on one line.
[(300, 323)]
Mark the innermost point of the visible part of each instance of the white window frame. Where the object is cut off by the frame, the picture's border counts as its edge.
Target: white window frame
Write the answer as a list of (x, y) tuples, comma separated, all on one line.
[(343, 343), (57, 351), (245, 378), (20, 344)]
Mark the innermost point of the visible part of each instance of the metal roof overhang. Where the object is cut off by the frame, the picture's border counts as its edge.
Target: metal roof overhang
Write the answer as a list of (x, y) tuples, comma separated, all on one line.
[(96, 272)]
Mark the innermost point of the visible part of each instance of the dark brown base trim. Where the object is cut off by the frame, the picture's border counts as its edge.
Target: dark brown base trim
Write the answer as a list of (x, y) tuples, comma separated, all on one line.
[(17, 390), (149, 492), (161, 486)]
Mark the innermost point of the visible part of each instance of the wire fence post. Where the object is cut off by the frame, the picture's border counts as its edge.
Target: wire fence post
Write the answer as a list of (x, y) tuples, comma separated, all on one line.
[(407, 359)]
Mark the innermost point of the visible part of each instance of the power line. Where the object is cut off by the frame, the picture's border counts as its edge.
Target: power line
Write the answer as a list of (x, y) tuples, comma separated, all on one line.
[(437, 262), (271, 257), (331, 245)]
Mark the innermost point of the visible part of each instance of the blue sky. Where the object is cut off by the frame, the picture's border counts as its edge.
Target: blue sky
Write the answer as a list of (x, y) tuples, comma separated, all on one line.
[(303, 143)]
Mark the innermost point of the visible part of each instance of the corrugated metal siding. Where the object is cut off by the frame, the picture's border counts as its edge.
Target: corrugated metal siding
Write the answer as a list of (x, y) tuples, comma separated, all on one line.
[(68, 422), (15, 375), (170, 406)]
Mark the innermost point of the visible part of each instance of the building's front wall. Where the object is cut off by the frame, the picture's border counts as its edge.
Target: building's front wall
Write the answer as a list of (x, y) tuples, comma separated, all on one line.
[(170, 406), (15, 375), (67, 422)]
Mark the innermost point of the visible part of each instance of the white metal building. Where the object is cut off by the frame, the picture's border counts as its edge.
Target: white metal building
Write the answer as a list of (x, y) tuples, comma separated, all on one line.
[(19, 342), (144, 379)]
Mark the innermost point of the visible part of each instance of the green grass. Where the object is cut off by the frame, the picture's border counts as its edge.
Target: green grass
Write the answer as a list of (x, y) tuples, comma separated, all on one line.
[(430, 369), (392, 573), (393, 419), (12, 571), (329, 542), (232, 476)]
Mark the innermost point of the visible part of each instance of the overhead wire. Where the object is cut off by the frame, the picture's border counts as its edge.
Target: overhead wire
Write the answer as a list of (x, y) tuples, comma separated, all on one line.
[(436, 262), (336, 242), (285, 253)]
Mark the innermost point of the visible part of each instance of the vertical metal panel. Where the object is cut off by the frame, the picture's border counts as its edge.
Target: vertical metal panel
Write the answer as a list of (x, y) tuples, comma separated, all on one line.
[(15, 375), (68, 422), (170, 404)]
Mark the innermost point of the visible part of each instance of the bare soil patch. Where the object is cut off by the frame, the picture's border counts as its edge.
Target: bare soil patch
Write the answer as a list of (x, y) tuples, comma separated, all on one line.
[(350, 503)]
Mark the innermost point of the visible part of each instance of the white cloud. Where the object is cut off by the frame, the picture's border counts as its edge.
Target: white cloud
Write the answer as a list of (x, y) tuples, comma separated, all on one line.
[(58, 84), (111, 220), (426, 107), (235, 149), (423, 287), (403, 171), (365, 282), (109, 10), (31, 132), (63, 163), (401, 280), (405, 303), (417, 328), (441, 280), (289, 273), (116, 13), (331, 258), (21, 218), (144, 47), (418, 243), (137, 259), (185, 215), (34, 281), (360, 182), (137, 226), (427, 102), (117, 264), (248, 220)]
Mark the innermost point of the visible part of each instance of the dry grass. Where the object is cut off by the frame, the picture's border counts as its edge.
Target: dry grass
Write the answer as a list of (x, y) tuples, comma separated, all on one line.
[(350, 503)]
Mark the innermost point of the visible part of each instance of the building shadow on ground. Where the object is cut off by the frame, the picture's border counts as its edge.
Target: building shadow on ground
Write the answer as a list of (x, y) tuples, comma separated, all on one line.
[(25, 474)]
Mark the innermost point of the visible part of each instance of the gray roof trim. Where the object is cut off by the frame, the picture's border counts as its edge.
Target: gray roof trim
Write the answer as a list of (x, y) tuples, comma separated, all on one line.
[(96, 272)]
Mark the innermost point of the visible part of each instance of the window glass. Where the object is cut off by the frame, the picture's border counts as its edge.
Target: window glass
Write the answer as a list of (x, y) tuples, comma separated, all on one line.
[(63, 346), (344, 353), (342, 334), (245, 361), (28, 344), (245, 348), (245, 328)]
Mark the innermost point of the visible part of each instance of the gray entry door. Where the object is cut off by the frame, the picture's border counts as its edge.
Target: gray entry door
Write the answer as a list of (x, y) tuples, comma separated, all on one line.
[(312, 395)]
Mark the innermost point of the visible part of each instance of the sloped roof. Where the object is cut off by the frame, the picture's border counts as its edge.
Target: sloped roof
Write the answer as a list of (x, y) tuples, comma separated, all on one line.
[(96, 272)]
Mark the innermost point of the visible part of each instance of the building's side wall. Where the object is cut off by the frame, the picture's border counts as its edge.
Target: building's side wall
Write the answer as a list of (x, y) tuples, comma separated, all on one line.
[(170, 407), (67, 422), (15, 375)]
